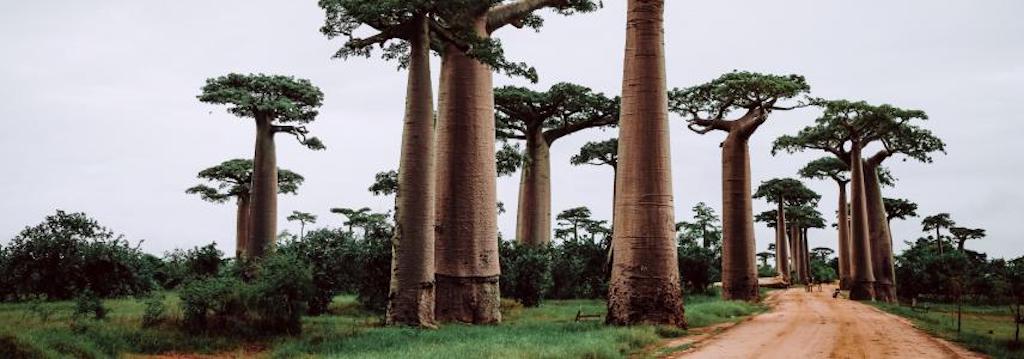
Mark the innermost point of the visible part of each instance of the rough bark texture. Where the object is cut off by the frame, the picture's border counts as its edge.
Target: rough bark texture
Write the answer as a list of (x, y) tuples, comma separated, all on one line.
[(533, 225), (739, 262), (466, 247), (644, 285), (863, 284), (242, 225), (842, 219), (878, 232), (807, 256), (781, 244), (798, 254), (263, 226), (412, 275)]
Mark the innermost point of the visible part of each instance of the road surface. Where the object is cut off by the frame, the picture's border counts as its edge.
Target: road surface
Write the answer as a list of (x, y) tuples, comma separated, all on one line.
[(814, 325)]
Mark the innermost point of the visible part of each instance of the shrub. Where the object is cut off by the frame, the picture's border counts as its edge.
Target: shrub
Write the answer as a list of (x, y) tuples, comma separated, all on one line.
[(579, 269), (153, 313), (67, 254), (698, 267), (342, 264), (88, 304), (525, 272), (374, 258), (179, 267), (272, 302)]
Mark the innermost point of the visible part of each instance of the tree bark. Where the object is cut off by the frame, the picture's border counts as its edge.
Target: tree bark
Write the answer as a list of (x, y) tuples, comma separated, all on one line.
[(466, 247), (644, 285), (878, 230), (781, 245), (263, 226), (798, 254), (739, 264), (842, 219), (412, 266), (807, 256), (863, 286), (533, 226), (242, 225)]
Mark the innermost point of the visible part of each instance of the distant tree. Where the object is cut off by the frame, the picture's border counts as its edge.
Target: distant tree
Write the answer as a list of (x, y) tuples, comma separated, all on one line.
[(278, 104), (385, 183), (822, 253), (899, 208), (963, 234), (837, 170), (706, 227), (302, 218), (232, 179), (737, 103), (601, 153), (764, 257), (539, 119), (784, 192), (936, 223), (355, 217)]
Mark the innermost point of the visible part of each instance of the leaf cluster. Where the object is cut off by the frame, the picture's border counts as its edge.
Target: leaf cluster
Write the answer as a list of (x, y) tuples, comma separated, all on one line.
[(233, 179)]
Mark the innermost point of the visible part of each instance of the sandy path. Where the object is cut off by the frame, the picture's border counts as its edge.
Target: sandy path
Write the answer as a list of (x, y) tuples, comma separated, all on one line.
[(813, 325)]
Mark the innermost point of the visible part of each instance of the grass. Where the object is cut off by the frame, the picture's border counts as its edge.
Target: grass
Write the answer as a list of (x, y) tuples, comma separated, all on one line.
[(985, 329), (48, 330)]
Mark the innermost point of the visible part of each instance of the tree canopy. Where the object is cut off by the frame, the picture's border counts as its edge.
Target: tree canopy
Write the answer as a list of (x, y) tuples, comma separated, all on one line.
[(711, 106), (563, 109), (937, 221), (826, 167), (899, 208), (385, 183), (794, 192), (598, 153), (233, 178), (282, 100), (303, 217)]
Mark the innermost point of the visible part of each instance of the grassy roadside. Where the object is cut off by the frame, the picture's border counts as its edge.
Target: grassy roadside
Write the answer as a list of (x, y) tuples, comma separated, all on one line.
[(47, 330), (985, 329)]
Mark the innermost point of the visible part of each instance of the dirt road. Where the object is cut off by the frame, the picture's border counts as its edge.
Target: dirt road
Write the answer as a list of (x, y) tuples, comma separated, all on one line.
[(813, 325)]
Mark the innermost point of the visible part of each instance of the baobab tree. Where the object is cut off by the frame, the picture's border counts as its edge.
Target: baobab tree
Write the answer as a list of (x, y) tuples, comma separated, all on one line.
[(908, 141), (899, 208), (539, 119), (466, 247), (302, 218), (278, 104), (233, 180), (737, 103), (764, 257), (836, 169), (404, 31), (355, 218), (936, 223), (644, 285), (963, 234), (705, 226), (844, 129), (600, 153), (384, 183), (784, 192), (803, 218)]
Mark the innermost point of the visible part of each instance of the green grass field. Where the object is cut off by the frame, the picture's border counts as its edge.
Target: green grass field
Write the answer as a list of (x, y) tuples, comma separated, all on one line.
[(48, 330), (986, 329)]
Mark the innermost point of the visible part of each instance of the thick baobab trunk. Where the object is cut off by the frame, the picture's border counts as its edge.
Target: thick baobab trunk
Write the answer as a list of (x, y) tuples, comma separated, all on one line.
[(533, 226), (878, 232), (242, 225), (781, 245), (263, 214), (807, 255), (798, 254), (644, 285), (466, 247), (412, 266), (842, 219), (863, 284), (739, 264)]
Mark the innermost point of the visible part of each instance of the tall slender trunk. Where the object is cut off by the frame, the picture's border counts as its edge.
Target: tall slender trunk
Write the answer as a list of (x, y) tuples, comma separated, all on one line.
[(739, 264), (263, 228), (466, 247), (242, 225), (878, 231), (781, 245), (863, 286), (938, 238), (412, 265), (807, 256), (842, 220), (533, 226), (644, 285), (798, 253)]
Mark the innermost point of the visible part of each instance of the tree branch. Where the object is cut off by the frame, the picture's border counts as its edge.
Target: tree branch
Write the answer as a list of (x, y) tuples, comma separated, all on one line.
[(554, 134), (506, 14)]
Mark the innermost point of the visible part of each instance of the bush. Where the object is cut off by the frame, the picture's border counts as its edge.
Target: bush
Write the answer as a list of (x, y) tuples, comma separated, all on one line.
[(67, 254), (698, 267), (179, 267), (579, 269), (525, 272), (273, 302), (342, 264), (88, 304), (153, 313)]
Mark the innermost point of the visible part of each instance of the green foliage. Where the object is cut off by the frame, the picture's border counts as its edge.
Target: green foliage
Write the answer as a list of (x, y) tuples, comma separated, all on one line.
[(707, 107), (282, 100), (705, 229), (791, 190), (525, 272), (88, 304), (155, 311), (68, 254), (385, 183), (598, 153), (826, 167), (303, 217), (233, 179), (699, 250), (179, 267), (899, 208), (280, 293), (509, 158), (564, 109)]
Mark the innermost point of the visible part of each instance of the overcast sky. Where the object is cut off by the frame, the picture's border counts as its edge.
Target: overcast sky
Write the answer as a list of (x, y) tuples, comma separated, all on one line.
[(97, 101)]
